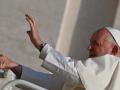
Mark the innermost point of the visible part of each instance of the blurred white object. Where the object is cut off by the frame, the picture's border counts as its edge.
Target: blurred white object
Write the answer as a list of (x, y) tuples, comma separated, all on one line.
[(24, 83), (5, 77)]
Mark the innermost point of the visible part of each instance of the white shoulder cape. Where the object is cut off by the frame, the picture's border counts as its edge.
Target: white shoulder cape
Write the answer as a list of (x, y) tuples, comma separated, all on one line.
[(101, 73)]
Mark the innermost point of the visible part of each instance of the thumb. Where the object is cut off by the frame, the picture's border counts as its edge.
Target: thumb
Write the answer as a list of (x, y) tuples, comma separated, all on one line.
[(1, 55), (29, 33)]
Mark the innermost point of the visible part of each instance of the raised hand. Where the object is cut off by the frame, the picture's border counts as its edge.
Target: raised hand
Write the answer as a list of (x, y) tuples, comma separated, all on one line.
[(33, 33)]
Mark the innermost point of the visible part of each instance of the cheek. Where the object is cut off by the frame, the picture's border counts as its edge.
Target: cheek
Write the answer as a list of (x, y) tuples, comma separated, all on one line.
[(108, 48), (100, 51)]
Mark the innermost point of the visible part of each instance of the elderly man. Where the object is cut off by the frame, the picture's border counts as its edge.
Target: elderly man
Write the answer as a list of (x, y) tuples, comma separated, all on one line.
[(101, 71)]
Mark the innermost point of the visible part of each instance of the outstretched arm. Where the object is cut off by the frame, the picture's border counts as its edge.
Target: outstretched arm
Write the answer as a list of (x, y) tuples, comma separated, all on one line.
[(53, 60)]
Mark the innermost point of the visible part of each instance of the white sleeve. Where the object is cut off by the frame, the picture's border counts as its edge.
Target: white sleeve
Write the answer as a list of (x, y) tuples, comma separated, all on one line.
[(60, 65)]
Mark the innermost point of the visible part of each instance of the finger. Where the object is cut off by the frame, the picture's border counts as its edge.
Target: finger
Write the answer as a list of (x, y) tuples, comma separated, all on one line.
[(2, 64), (29, 20), (32, 20), (32, 27), (29, 17), (30, 23)]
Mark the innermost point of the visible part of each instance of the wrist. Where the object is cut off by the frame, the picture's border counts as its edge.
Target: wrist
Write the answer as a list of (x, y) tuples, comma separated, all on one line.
[(17, 70), (13, 64), (41, 46)]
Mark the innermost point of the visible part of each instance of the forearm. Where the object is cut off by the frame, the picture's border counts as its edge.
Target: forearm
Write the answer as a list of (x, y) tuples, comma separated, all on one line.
[(42, 79)]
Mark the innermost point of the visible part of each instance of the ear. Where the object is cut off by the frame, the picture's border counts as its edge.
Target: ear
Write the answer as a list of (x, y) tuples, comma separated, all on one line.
[(114, 50)]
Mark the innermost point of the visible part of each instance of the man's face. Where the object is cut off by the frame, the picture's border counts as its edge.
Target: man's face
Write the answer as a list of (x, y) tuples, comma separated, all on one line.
[(99, 43)]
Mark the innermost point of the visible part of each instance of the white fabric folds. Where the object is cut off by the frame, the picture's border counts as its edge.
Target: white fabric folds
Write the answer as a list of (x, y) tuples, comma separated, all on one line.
[(100, 73)]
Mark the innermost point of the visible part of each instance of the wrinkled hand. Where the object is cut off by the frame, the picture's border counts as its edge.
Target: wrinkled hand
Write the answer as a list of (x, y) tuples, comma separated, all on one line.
[(6, 63), (33, 33)]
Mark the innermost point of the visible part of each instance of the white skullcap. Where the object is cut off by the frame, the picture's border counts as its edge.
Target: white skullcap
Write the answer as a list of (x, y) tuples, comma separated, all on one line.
[(115, 33)]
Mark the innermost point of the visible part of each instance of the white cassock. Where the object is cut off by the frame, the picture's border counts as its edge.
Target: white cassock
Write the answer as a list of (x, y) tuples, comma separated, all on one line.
[(100, 73)]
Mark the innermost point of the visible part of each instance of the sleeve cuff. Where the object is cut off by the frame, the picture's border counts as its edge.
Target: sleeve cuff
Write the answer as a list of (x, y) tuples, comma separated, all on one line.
[(44, 51)]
